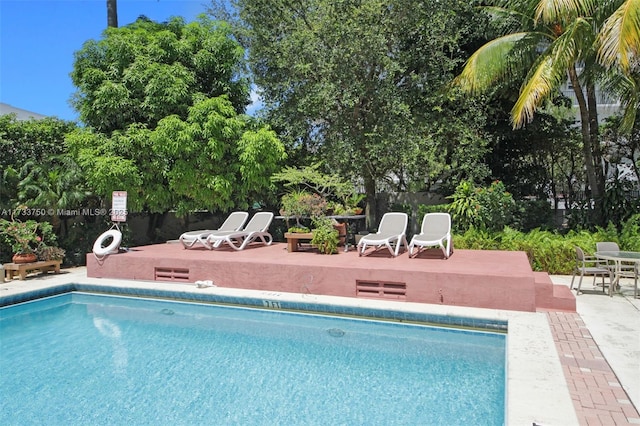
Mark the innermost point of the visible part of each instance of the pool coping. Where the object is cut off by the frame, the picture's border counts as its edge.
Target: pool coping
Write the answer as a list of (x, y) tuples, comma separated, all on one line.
[(269, 301), (537, 392)]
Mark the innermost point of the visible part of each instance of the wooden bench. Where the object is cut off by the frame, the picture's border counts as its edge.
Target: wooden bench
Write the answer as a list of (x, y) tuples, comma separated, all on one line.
[(294, 238), (22, 269)]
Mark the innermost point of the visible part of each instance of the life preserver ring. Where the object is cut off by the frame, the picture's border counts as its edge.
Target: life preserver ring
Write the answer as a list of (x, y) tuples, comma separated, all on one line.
[(116, 236)]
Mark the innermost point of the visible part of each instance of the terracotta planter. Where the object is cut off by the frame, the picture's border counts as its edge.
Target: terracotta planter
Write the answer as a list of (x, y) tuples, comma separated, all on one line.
[(342, 232), (24, 258)]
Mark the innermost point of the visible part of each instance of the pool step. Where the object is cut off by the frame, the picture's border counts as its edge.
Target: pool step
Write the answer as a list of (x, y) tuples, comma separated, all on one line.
[(552, 297)]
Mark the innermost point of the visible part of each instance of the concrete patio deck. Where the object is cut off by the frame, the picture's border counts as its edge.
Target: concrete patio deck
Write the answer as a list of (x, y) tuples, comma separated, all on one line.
[(472, 278)]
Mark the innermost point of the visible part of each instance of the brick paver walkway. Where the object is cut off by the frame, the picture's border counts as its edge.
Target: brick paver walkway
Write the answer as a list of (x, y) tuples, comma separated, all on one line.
[(597, 395)]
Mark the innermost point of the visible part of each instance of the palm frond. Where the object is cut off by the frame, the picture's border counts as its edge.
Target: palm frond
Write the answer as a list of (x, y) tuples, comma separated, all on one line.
[(536, 90), (549, 70), (489, 64), (563, 11), (575, 44), (619, 39), (630, 106), (627, 89), (505, 15)]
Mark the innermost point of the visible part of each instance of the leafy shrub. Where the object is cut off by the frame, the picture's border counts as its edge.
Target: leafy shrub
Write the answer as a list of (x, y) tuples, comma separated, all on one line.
[(477, 239), (489, 208), (584, 239), (50, 253), (549, 251), (496, 206), (618, 205), (464, 206), (546, 250), (531, 214), (80, 236), (23, 237), (630, 234), (435, 208), (325, 236)]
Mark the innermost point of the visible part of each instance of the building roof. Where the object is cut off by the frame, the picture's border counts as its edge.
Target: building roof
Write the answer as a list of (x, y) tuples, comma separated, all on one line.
[(21, 114)]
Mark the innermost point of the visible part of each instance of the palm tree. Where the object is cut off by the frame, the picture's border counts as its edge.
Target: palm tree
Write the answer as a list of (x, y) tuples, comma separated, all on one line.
[(582, 40), (619, 47), (112, 13), (53, 186)]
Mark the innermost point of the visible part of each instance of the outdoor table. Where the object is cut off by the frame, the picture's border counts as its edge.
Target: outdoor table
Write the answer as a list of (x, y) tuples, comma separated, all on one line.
[(618, 257)]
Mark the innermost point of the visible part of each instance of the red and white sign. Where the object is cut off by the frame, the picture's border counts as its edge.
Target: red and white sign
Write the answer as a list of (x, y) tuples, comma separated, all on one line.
[(119, 206)]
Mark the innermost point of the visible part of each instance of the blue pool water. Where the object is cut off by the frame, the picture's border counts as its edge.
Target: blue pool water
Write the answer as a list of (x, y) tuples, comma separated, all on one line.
[(89, 359)]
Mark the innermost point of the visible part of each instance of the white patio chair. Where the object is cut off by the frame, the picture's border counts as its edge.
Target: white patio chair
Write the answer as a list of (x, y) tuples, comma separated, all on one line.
[(435, 231), (391, 234)]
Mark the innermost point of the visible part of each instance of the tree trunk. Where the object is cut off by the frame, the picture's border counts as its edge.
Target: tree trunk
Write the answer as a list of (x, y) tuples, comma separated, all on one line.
[(372, 204), (596, 156), (587, 143), (112, 13)]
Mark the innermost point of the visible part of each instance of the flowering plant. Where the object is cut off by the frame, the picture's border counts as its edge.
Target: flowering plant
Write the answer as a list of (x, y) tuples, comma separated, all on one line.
[(23, 237)]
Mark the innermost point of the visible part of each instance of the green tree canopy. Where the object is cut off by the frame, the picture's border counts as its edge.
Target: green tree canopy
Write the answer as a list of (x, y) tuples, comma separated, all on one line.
[(359, 84), (162, 102), (213, 159), (22, 140), (146, 71)]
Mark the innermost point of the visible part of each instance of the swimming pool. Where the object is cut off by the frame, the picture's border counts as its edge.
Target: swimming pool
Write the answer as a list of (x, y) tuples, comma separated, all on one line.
[(81, 358)]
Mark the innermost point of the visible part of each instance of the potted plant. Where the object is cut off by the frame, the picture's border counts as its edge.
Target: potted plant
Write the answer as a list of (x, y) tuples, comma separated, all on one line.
[(340, 192), (333, 207), (325, 236), (299, 204), (23, 238), (353, 203), (29, 238)]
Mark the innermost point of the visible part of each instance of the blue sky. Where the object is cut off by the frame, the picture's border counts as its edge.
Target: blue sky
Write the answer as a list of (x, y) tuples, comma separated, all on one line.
[(39, 37)]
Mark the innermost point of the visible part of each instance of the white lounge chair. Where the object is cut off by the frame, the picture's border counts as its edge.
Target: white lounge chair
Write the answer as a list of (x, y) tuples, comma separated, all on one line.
[(256, 229), (234, 222), (391, 234), (435, 230)]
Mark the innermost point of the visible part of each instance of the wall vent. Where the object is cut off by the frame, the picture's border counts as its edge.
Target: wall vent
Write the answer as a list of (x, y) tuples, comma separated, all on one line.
[(172, 274), (381, 290)]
